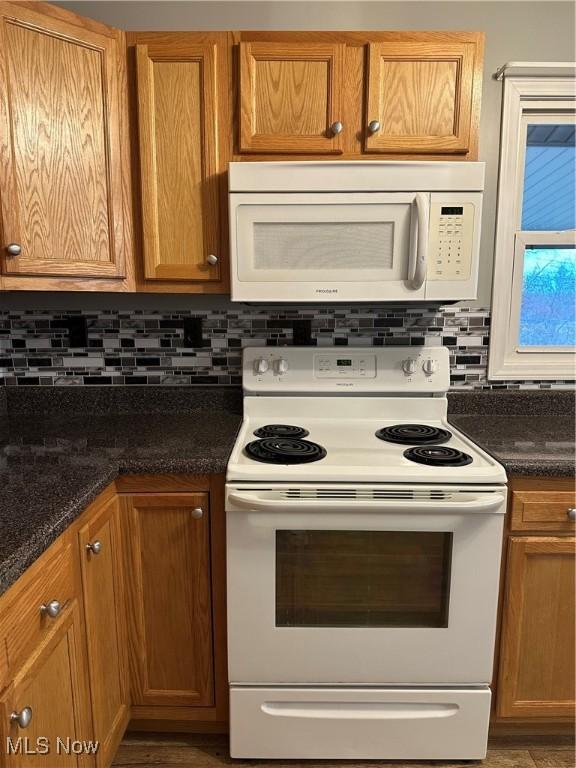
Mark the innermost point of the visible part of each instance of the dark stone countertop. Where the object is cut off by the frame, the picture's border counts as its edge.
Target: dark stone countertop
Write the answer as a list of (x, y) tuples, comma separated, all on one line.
[(524, 445), (53, 466)]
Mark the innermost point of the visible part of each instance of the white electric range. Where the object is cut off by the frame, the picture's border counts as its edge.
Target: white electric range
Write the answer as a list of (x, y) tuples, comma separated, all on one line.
[(363, 549)]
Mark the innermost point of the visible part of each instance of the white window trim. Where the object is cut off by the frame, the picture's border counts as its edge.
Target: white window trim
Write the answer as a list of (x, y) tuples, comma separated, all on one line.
[(506, 361)]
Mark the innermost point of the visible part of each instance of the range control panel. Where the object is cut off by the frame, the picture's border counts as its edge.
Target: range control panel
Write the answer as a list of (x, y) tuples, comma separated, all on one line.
[(345, 366), (402, 370), (451, 241)]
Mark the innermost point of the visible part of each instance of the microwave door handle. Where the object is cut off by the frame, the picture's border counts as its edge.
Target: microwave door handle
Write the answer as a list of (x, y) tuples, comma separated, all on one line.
[(418, 241)]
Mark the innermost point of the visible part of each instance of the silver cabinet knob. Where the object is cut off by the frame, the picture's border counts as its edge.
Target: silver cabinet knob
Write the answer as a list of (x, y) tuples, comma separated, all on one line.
[(212, 259), (95, 547), (571, 512), (22, 718), (336, 128), (197, 513), (14, 249), (374, 126), (51, 609)]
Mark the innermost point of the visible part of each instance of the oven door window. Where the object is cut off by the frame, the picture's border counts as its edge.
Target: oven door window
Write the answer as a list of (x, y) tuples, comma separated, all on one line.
[(362, 578)]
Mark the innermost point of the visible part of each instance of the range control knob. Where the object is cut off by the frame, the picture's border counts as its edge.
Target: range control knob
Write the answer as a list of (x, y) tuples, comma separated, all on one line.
[(262, 365), (409, 366), (430, 366), (281, 366)]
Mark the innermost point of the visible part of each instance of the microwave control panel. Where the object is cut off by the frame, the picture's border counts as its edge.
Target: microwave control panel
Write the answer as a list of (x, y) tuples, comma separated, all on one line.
[(451, 241)]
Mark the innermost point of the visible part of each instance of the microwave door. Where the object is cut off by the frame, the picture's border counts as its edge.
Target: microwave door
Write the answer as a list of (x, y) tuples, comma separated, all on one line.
[(320, 246)]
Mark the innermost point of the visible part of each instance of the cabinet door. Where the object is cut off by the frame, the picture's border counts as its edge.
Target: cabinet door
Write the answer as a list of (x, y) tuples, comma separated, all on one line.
[(51, 688), (178, 116), (291, 97), (168, 581), (420, 97), (536, 676), (61, 170), (101, 565)]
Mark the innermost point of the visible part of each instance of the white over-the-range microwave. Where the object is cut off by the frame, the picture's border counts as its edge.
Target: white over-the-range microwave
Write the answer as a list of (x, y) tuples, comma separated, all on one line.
[(338, 231)]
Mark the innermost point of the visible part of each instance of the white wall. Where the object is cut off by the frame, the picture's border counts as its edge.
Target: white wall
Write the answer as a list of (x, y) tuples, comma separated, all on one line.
[(515, 31)]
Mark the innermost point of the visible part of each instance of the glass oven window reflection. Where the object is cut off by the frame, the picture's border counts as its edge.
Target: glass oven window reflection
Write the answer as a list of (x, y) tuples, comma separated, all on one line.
[(362, 578)]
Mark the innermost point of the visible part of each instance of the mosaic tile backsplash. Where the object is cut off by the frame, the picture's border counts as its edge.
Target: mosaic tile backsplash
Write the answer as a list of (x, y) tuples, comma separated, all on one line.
[(142, 347)]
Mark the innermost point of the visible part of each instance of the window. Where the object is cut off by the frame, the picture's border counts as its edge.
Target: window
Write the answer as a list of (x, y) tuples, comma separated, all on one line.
[(534, 294)]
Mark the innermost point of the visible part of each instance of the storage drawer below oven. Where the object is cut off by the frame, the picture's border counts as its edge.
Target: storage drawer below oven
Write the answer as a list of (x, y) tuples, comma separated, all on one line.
[(353, 723)]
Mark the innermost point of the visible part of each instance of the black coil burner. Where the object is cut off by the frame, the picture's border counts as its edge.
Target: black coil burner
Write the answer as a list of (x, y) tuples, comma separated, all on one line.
[(438, 456), (414, 434), (284, 450), (281, 430)]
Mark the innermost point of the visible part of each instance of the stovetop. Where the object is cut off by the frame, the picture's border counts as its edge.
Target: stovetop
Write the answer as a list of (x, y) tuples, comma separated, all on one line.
[(346, 430)]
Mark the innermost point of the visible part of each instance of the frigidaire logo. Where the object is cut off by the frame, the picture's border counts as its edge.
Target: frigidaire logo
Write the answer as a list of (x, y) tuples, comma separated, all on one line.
[(326, 290)]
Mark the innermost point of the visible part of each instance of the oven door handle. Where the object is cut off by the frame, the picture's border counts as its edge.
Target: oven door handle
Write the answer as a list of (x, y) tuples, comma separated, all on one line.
[(253, 503), (419, 225)]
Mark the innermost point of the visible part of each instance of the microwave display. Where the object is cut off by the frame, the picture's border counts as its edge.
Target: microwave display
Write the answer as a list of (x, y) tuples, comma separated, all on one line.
[(453, 210)]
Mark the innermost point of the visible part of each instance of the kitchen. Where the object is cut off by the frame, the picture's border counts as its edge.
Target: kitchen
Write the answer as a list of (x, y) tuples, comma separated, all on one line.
[(287, 354)]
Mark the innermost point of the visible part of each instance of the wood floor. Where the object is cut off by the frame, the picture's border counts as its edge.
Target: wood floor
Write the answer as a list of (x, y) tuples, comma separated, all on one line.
[(159, 751)]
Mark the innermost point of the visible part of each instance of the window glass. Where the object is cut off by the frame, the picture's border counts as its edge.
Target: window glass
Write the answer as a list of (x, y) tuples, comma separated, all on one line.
[(362, 578), (548, 201), (548, 308)]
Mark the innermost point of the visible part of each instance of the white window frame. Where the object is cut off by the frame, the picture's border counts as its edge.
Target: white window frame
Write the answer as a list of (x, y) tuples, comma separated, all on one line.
[(549, 97)]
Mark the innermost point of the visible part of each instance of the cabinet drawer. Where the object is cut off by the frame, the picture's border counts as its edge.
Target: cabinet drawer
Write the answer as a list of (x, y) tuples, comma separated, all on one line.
[(24, 623), (543, 510)]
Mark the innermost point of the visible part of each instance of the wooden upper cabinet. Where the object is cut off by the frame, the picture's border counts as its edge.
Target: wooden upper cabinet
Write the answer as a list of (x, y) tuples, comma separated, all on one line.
[(291, 96), (61, 169), (181, 93), (421, 97), (536, 669)]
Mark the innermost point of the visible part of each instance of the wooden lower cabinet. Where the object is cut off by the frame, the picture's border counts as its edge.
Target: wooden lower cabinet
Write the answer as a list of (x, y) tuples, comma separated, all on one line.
[(536, 666), (175, 565), (135, 633), (169, 596), (101, 564), (51, 688), (537, 656)]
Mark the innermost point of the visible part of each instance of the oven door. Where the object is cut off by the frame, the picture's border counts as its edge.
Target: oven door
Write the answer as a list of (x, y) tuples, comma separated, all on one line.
[(373, 586), (329, 246)]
